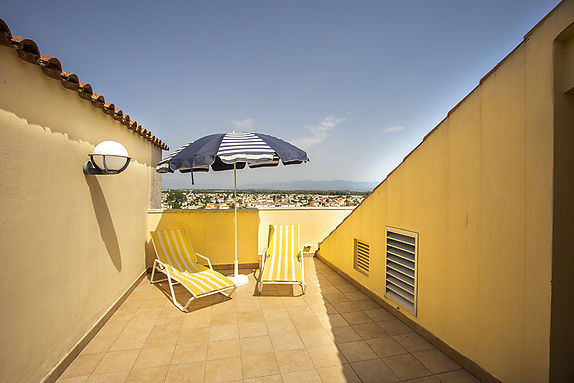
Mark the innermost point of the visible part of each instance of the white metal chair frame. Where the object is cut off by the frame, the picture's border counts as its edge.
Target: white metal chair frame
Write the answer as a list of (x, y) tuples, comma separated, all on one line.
[(264, 260), (163, 268)]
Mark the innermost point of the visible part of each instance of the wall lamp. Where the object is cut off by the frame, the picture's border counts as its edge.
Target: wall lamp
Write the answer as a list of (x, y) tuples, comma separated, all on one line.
[(109, 157)]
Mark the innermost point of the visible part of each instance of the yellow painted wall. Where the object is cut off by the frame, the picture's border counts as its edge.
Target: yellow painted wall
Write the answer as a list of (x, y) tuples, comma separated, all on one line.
[(71, 244), (479, 192), (211, 231), (314, 223)]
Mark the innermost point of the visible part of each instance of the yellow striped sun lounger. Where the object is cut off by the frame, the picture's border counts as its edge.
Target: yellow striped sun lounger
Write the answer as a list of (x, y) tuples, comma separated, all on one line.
[(283, 259), (176, 259)]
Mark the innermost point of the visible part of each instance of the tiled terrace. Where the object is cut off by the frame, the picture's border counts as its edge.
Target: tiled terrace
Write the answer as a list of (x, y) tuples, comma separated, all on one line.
[(334, 333)]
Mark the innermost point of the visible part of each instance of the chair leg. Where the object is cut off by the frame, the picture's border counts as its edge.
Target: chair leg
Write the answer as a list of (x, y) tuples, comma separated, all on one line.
[(303, 286), (229, 295), (153, 270)]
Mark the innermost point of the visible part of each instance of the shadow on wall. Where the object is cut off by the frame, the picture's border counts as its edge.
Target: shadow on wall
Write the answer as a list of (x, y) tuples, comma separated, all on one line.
[(105, 222)]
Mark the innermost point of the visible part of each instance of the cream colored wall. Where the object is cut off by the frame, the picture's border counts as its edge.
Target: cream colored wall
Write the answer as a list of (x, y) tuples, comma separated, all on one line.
[(71, 244), (212, 234), (478, 191)]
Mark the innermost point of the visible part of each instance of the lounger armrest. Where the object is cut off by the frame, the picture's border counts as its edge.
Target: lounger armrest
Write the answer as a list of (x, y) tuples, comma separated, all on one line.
[(300, 255), (204, 257)]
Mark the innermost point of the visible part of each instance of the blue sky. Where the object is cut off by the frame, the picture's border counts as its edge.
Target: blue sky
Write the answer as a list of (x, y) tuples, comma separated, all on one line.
[(357, 84)]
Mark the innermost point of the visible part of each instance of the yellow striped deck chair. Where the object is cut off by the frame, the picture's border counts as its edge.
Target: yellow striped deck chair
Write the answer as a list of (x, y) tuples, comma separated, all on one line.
[(176, 259), (282, 262)]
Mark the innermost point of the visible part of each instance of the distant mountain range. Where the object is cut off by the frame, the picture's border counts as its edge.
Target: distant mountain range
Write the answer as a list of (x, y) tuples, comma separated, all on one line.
[(293, 185), (314, 185)]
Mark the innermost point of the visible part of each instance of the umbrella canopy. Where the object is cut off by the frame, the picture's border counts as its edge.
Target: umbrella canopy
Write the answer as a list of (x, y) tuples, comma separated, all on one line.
[(228, 151), (222, 151)]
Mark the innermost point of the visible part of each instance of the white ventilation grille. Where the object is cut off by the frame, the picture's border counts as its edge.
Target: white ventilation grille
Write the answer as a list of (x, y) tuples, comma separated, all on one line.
[(401, 268), (362, 257)]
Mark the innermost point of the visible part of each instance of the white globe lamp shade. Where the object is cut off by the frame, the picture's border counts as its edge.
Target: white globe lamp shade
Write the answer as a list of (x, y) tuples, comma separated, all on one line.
[(113, 153)]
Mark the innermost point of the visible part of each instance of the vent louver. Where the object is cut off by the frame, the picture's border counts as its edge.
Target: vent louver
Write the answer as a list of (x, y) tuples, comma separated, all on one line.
[(362, 257), (401, 268)]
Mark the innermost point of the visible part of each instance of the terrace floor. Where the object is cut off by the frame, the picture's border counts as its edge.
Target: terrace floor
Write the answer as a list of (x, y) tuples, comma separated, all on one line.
[(333, 333)]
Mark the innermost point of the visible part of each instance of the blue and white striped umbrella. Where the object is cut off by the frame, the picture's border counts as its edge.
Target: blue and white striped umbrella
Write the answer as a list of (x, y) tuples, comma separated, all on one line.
[(232, 151), (222, 151)]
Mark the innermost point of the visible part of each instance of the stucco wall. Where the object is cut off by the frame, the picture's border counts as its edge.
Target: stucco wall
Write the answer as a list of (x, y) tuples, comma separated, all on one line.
[(479, 192), (71, 244), (211, 231)]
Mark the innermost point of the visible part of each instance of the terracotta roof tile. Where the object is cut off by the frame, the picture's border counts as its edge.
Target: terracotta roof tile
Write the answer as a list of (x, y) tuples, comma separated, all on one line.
[(28, 51)]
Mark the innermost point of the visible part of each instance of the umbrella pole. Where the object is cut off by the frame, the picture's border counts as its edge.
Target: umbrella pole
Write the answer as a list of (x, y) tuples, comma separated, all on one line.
[(236, 265), (238, 279)]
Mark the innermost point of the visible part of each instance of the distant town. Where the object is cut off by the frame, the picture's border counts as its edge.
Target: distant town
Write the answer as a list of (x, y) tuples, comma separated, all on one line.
[(223, 199)]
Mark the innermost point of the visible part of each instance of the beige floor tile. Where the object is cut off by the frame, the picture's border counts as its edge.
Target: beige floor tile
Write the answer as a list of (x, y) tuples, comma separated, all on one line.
[(345, 307), (436, 361), (275, 314), (356, 317), (300, 313), (252, 329), (386, 346), (161, 336), (83, 365), (406, 366), (369, 331), (140, 325), (425, 379), (357, 296), (181, 373), (98, 345), (193, 335), (117, 361), (357, 351), (294, 360), (223, 370), (338, 374), (374, 371), (307, 376), (223, 349), (332, 321), (394, 327), (191, 352), (308, 324), (344, 334), (288, 340), (246, 317), (223, 319), (413, 342), (265, 379), (258, 365), (326, 356), (155, 357), (148, 375), (314, 338), (129, 341), (248, 305), (379, 314), (367, 304), (197, 320), (112, 328), (148, 312), (110, 377), (256, 345), (280, 326), (460, 376), (223, 332), (73, 379)]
